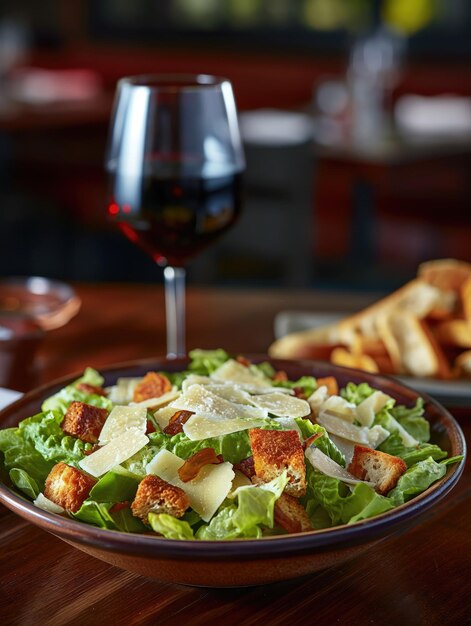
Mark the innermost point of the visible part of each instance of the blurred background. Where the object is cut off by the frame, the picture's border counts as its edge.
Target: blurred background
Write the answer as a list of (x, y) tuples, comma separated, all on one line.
[(355, 115)]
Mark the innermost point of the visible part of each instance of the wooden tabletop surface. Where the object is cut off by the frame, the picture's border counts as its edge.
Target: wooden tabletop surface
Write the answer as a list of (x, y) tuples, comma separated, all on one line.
[(420, 577)]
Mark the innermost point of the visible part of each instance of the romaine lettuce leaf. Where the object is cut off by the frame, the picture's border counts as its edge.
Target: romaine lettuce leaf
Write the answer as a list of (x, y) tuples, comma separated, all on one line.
[(204, 362), (170, 527), (416, 479), (96, 513), (100, 514), (394, 445), (117, 485), (308, 384), (324, 443), (356, 393), (21, 454), (345, 506), (60, 401), (43, 431), (412, 419), (23, 481), (253, 512)]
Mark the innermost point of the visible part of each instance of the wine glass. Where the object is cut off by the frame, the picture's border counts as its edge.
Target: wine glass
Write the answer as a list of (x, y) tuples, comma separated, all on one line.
[(175, 161)]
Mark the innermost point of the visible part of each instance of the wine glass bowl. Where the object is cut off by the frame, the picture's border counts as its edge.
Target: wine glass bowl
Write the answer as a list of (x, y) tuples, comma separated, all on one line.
[(175, 162)]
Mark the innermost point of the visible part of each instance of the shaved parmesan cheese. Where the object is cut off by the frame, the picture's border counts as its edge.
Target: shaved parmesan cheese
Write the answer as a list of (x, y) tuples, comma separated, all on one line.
[(230, 392), (203, 427), (195, 379), (407, 439), (339, 407), (343, 429), (369, 407), (199, 400), (370, 437), (329, 467), (113, 453), (47, 505), (163, 415), (122, 392), (235, 372), (239, 480), (376, 435), (346, 447), (155, 403), (317, 399), (206, 492), (121, 420), (282, 405)]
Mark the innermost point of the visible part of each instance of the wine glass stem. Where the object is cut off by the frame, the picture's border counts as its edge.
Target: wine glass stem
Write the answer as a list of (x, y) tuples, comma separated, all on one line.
[(175, 310)]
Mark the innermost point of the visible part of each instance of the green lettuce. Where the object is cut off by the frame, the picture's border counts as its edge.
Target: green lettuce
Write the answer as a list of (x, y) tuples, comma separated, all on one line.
[(324, 443), (394, 445), (234, 447), (253, 511), (100, 514), (19, 453), (44, 432), (25, 483), (416, 480), (307, 384), (170, 527), (413, 420), (117, 485), (60, 401), (345, 506), (356, 393), (204, 362)]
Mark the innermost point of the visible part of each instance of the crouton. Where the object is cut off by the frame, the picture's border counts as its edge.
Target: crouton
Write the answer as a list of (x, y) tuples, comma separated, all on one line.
[(157, 496), (84, 421), (153, 385), (331, 383), (275, 451), (291, 516), (68, 487), (379, 468)]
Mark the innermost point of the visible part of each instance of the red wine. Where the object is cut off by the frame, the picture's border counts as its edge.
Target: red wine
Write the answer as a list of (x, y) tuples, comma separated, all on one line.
[(173, 218)]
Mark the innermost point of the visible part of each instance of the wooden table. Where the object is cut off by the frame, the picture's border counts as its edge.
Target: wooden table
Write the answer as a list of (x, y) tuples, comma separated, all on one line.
[(420, 577)]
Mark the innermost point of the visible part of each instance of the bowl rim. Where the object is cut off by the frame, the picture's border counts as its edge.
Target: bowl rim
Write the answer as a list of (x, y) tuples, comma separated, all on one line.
[(344, 535)]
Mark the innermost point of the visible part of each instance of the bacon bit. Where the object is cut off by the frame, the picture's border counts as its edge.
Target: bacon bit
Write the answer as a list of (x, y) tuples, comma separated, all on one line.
[(86, 388), (119, 506), (246, 466), (299, 393), (150, 427), (153, 385), (310, 440), (331, 383), (243, 360), (176, 422), (280, 375), (93, 449), (192, 466)]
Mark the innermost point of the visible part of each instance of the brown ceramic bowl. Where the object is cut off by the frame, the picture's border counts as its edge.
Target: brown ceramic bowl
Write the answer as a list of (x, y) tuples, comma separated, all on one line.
[(247, 561)]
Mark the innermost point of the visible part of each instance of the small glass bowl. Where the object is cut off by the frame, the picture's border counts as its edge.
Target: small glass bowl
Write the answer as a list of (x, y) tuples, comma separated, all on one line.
[(49, 303)]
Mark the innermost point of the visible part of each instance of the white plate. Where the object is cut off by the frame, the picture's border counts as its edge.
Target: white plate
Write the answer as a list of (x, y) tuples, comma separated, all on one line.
[(451, 393), (7, 396)]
